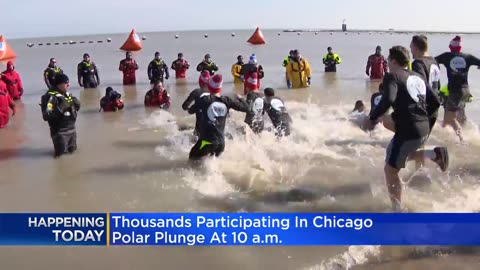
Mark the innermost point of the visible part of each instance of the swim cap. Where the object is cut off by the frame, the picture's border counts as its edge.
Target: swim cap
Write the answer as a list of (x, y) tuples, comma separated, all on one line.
[(456, 44), (61, 78), (204, 78), (215, 84), (269, 92)]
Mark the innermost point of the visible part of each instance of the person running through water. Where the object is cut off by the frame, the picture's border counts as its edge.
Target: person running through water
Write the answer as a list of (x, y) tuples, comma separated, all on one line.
[(87, 73), (157, 69), (51, 72), (256, 110), (427, 67), (277, 112), (331, 60), (196, 94), (213, 109), (409, 96), (376, 65), (457, 65), (252, 74), (207, 64)]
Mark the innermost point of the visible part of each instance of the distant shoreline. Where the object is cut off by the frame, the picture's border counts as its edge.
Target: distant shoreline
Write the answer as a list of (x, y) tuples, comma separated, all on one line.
[(379, 31)]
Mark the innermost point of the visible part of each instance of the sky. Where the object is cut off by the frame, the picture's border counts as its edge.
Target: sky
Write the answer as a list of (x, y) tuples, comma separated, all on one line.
[(41, 18)]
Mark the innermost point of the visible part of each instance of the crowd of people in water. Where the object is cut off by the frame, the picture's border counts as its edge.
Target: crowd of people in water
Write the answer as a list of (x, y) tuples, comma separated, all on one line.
[(412, 89)]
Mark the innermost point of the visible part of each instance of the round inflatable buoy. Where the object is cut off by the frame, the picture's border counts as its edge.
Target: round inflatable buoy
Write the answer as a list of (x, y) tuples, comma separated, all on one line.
[(40, 44), (56, 43), (29, 45), (81, 42), (91, 41), (233, 34), (176, 36), (206, 36), (316, 33), (71, 42), (346, 34), (331, 33), (298, 34), (48, 44), (109, 40), (144, 38), (100, 41), (278, 34)]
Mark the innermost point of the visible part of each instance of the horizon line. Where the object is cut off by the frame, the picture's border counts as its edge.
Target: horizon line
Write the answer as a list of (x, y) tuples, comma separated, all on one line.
[(253, 29)]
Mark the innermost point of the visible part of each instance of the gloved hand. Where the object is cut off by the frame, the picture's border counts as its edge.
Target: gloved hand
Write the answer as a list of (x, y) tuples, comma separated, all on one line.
[(14, 111), (80, 83), (166, 77), (469, 98), (367, 72), (289, 84), (21, 91), (309, 80)]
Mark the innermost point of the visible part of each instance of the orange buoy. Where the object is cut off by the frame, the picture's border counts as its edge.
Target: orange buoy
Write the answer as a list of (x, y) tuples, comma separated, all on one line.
[(257, 38), (5, 51), (133, 42)]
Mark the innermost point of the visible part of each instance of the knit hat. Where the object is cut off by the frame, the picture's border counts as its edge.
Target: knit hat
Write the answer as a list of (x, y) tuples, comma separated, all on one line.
[(61, 78), (456, 44), (253, 59), (215, 84), (204, 78)]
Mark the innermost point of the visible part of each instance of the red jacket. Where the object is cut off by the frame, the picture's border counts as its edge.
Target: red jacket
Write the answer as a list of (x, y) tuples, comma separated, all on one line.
[(376, 66), (6, 102), (180, 67), (111, 106), (162, 99), (13, 82)]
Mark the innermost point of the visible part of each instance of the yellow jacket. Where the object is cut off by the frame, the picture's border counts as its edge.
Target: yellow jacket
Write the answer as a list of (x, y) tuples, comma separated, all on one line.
[(236, 73), (298, 73)]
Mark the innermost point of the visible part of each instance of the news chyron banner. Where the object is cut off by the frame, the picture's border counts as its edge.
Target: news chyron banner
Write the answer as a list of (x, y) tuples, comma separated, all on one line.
[(234, 229)]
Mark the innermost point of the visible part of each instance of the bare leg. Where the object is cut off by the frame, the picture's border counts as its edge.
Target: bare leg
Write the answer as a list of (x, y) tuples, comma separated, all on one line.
[(439, 155), (394, 186), (451, 119)]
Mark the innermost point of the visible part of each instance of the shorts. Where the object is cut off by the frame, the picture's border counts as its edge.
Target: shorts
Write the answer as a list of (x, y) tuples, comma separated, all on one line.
[(400, 149), (456, 100), (64, 142), (205, 148)]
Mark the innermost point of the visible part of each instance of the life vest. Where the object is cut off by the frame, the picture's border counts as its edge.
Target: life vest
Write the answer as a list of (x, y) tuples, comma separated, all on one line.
[(301, 65)]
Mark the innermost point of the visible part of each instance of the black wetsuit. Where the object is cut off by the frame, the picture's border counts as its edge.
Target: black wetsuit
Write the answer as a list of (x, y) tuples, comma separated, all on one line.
[(254, 116), (429, 70), (409, 95), (60, 111), (281, 120), (49, 73), (157, 71), (211, 67), (88, 74), (194, 95), (213, 112), (375, 100), (457, 65)]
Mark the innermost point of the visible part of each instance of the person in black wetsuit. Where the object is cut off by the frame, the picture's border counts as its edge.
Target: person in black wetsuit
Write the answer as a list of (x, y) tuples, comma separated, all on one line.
[(409, 96), (256, 110), (457, 65), (276, 110), (207, 64), (59, 109), (213, 111), (87, 73), (195, 94), (427, 67), (157, 69)]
